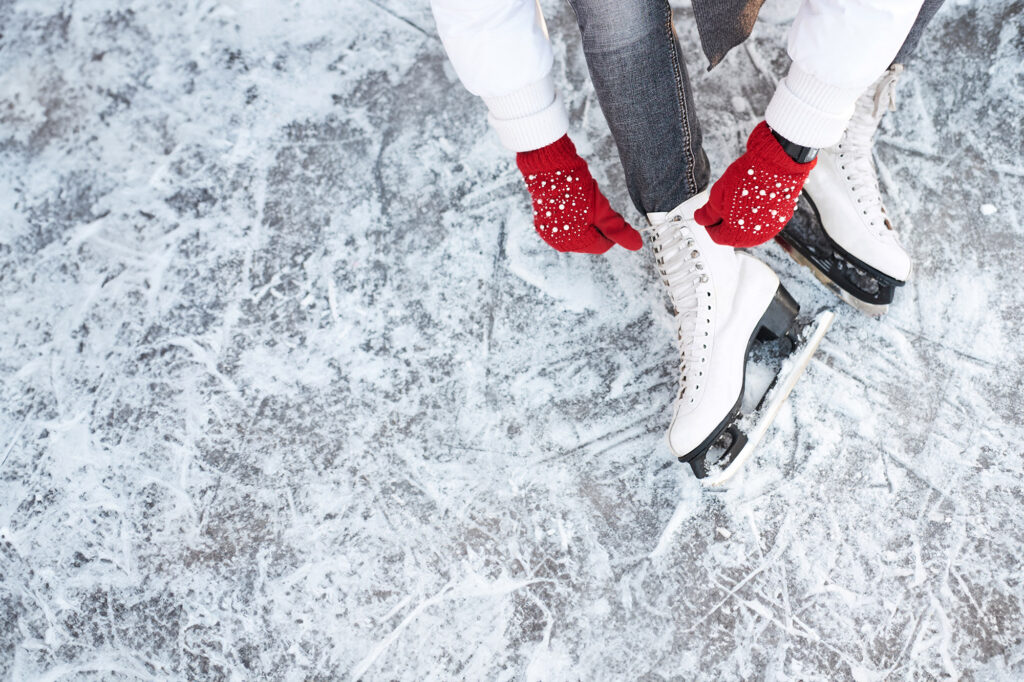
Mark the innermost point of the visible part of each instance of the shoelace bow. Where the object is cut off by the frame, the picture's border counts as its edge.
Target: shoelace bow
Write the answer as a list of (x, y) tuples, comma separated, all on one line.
[(887, 91)]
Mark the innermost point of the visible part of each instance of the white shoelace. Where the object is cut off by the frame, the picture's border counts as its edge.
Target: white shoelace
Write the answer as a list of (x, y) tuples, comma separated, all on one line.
[(683, 273), (886, 91), (855, 158)]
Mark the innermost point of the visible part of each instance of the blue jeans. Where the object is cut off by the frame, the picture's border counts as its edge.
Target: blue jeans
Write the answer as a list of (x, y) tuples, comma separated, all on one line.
[(636, 64), (637, 67)]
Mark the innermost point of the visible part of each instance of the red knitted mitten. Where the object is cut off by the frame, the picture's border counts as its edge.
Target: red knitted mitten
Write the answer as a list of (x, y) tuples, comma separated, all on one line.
[(569, 211), (756, 196)]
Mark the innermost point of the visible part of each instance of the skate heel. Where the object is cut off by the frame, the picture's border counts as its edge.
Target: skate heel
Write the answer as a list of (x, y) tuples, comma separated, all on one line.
[(778, 319)]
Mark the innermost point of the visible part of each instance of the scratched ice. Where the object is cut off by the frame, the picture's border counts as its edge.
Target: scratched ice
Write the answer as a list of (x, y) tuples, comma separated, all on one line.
[(291, 390)]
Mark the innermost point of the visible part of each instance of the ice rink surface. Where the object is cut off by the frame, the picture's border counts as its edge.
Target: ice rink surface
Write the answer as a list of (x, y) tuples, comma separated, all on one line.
[(292, 390)]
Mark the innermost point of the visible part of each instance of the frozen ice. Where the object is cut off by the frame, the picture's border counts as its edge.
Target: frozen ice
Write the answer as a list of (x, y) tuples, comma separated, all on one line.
[(292, 390)]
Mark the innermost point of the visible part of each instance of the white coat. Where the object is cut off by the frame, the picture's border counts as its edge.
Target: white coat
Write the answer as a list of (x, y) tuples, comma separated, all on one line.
[(501, 52)]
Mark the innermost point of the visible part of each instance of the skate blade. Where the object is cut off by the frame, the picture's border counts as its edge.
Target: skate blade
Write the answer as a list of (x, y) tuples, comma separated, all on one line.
[(869, 309), (791, 372)]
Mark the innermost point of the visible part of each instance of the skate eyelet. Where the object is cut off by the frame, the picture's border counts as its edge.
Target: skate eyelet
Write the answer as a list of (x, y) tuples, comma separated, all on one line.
[(695, 254), (676, 218)]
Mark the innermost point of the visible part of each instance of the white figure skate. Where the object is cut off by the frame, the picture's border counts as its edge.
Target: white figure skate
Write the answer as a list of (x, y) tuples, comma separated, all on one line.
[(724, 300), (841, 230)]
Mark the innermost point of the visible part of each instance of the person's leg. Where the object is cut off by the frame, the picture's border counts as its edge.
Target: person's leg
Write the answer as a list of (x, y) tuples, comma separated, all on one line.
[(721, 298), (637, 69), (928, 11), (870, 263)]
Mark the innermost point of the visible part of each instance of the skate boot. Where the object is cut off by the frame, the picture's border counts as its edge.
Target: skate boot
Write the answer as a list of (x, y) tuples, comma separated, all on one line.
[(723, 300), (841, 230)]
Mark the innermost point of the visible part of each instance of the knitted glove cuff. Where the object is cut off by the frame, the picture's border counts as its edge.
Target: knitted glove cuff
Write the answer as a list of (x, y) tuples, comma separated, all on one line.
[(763, 146), (559, 155)]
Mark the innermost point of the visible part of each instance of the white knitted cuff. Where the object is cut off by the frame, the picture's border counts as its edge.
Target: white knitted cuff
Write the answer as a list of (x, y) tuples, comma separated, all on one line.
[(529, 118), (808, 111)]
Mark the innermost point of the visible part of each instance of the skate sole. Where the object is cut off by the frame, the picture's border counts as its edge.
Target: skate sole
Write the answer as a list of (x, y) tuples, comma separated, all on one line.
[(775, 398), (887, 284), (869, 309)]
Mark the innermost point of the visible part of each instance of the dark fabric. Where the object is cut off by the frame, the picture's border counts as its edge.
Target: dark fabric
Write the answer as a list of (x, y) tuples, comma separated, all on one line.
[(724, 24), (928, 10), (637, 68)]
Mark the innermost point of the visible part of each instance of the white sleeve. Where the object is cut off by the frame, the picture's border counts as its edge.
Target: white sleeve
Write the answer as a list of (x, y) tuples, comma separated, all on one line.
[(500, 51), (838, 48)]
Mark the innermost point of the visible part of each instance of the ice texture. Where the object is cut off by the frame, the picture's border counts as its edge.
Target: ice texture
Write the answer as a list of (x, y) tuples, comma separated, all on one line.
[(291, 389)]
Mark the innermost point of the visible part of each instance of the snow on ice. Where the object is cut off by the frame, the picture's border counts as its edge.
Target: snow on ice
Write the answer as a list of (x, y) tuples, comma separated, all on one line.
[(291, 390)]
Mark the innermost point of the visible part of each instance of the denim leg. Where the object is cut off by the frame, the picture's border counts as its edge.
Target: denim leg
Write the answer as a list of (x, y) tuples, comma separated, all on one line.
[(637, 68), (928, 10)]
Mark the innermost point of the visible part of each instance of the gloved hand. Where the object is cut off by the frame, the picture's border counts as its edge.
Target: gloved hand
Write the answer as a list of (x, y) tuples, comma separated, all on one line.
[(757, 194), (569, 211)]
